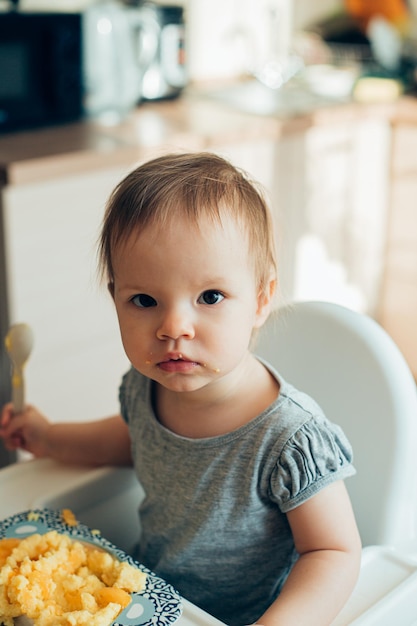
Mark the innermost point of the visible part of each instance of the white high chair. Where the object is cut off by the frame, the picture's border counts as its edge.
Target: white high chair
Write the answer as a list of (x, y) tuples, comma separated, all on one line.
[(353, 369)]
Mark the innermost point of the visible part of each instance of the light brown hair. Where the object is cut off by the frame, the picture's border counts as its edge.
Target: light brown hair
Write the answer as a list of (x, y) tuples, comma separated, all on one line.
[(192, 185)]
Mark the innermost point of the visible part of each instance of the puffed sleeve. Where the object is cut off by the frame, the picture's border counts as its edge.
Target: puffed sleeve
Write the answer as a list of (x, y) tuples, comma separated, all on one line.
[(315, 456)]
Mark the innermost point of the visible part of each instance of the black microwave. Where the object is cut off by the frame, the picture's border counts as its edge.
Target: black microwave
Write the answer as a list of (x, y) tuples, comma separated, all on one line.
[(40, 69)]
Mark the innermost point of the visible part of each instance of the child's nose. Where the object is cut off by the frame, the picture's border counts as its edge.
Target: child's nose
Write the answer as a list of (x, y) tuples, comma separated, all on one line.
[(174, 324)]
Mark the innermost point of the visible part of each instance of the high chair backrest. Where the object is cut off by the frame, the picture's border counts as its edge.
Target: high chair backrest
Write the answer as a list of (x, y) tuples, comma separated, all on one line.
[(354, 370)]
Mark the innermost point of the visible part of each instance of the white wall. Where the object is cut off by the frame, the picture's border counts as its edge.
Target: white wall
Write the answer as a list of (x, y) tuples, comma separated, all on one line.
[(232, 37)]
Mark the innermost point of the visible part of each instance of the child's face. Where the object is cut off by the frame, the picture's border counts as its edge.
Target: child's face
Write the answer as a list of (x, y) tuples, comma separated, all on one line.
[(187, 302)]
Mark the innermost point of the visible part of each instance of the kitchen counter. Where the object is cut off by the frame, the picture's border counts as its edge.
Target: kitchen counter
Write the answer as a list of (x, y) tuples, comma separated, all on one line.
[(192, 122), (187, 123)]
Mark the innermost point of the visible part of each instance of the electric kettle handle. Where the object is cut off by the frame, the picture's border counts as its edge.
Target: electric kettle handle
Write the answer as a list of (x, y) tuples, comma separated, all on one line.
[(148, 32)]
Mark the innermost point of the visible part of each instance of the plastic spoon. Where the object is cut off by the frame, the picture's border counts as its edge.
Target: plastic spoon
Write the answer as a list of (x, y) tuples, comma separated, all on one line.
[(19, 343)]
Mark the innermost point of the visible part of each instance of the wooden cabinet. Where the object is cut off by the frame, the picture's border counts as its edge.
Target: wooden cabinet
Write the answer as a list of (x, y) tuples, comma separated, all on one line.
[(398, 309)]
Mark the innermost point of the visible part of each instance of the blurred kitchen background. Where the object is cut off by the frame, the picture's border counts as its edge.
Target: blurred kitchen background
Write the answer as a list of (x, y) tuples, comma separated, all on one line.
[(316, 100)]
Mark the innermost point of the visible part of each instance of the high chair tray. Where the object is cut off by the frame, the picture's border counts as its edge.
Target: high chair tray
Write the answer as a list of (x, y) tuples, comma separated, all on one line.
[(386, 593)]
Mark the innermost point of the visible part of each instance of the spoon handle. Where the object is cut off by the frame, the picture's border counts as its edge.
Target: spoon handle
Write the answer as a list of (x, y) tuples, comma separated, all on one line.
[(18, 389)]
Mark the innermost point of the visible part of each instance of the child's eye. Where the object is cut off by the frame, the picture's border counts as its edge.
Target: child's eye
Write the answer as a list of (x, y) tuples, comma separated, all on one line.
[(142, 300), (211, 297)]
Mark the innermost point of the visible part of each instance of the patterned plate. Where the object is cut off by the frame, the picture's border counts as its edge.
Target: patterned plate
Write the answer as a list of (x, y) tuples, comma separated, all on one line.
[(157, 605)]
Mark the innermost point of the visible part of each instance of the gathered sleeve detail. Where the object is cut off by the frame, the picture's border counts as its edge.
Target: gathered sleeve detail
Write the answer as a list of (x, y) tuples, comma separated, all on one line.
[(315, 456)]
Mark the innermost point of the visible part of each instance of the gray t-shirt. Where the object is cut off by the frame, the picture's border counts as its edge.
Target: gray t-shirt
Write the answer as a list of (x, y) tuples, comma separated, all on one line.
[(213, 517)]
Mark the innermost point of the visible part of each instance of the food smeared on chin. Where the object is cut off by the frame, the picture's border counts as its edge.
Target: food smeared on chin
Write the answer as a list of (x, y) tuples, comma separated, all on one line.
[(59, 581)]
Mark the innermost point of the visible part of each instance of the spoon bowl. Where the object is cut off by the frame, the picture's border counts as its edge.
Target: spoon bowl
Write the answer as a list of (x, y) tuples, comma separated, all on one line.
[(19, 344)]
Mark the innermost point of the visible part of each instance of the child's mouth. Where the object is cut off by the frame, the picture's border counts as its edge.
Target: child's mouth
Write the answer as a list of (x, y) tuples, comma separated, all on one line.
[(180, 365)]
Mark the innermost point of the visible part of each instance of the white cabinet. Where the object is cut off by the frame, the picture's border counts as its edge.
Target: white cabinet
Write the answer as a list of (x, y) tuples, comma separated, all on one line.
[(328, 186), (331, 191), (51, 231)]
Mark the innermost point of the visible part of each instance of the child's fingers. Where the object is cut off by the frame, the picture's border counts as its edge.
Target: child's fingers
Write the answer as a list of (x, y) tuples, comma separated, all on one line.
[(11, 425), (6, 415), (14, 443), (12, 435)]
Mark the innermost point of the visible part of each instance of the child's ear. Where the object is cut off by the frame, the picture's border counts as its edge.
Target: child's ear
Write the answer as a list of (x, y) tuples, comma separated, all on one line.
[(265, 299), (110, 287)]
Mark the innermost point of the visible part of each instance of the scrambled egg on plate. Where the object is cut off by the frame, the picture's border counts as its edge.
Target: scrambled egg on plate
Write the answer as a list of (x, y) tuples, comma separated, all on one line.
[(58, 581)]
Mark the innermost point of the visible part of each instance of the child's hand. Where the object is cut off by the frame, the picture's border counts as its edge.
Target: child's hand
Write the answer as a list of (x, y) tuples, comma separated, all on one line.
[(26, 430)]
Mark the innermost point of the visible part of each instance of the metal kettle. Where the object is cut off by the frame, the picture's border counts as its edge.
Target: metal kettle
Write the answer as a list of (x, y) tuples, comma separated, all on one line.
[(160, 49), (112, 76)]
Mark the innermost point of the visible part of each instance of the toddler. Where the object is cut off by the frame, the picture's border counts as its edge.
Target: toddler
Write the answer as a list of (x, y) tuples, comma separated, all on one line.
[(245, 509)]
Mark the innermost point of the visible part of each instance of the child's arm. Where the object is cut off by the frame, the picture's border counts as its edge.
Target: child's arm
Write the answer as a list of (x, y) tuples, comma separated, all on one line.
[(321, 581), (100, 442)]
